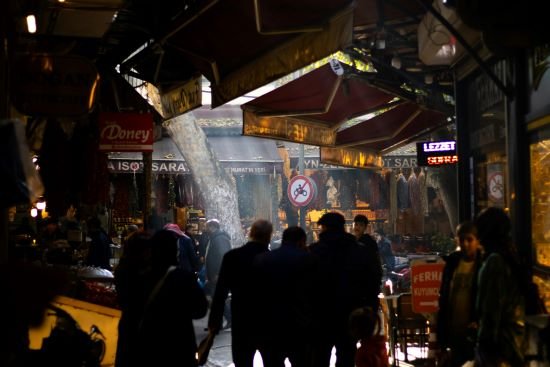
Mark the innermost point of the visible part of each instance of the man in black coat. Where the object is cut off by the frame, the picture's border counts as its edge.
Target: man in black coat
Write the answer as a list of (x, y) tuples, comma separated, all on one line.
[(237, 276), (345, 279), (360, 224), (218, 245), (285, 299)]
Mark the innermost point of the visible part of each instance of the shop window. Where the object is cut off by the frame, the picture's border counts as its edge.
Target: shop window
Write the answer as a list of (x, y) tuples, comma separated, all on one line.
[(540, 196), (488, 140)]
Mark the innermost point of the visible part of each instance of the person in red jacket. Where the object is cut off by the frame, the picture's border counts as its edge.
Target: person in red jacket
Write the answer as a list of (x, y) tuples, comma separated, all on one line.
[(365, 327)]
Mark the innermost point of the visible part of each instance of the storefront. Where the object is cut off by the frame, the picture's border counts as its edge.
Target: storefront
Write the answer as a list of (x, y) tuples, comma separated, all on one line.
[(504, 138), (254, 164), (396, 198)]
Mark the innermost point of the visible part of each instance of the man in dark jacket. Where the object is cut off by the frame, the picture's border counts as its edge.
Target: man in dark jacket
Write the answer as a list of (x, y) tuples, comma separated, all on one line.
[(344, 277), (237, 276), (218, 245), (360, 224), (285, 298)]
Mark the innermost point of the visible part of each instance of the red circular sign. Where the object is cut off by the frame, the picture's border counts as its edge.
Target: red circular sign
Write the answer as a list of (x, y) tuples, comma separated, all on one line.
[(301, 190)]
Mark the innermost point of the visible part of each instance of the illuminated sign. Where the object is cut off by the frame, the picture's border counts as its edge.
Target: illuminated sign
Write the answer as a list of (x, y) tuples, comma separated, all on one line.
[(351, 158), (436, 153), (287, 128)]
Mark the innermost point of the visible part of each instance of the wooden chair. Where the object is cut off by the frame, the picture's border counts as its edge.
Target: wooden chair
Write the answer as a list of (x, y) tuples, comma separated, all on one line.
[(411, 327)]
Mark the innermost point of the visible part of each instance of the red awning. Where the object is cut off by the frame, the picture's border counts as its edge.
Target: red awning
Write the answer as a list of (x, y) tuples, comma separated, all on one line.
[(313, 108)]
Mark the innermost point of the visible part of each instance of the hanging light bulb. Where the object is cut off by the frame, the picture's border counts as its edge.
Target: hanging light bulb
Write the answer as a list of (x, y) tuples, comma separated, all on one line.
[(41, 205), (31, 23), (34, 212)]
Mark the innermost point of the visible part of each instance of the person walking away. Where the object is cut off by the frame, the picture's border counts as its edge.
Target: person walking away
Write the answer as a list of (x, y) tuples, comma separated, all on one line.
[(500, 302), (99, 252), (237, 276), (456, 319), (129, 279), (385, 250), (343, 275), (360, 225), (166, 336), (285, 300), (218, 245), (365, 327), (187, 257)]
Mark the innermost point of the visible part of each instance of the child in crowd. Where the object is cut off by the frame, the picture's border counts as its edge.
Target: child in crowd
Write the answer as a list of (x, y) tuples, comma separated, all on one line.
[(457, 319), (365, 327)]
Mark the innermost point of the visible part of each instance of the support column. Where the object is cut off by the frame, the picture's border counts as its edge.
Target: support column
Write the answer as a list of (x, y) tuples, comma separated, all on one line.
[(147, 188)]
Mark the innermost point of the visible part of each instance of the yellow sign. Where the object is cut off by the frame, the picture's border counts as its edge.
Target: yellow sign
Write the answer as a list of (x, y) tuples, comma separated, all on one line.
[(287, 128), (182, 99), (351, 158)]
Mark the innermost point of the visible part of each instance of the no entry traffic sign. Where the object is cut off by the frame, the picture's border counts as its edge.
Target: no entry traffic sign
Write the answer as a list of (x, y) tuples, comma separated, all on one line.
[(425, 283), (301, 190)]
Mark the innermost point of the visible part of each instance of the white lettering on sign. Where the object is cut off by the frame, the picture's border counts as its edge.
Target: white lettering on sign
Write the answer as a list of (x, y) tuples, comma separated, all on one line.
[(114, 132), (428, 276), (440, 146), (426, 291)]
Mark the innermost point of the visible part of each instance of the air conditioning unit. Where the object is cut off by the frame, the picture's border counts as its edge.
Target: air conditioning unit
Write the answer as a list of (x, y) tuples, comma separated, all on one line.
[(436, 44)]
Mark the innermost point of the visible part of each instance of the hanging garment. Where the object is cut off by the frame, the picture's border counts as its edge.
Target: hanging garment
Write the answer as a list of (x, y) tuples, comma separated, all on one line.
[(402, 192), (414, 195), (423, 191)]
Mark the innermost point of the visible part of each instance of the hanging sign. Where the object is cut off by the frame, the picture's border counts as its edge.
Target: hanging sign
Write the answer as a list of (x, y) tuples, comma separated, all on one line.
[(301, 190), (125, 132), (425, 283), (182, 99)]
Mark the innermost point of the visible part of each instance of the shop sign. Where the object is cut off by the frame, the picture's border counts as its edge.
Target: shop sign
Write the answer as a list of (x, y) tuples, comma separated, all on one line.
[(351, 158), (125, 132), (399, 162), (312, 163), (182, 99), (134, 166), (425, 284), (287, 128), (436, 153), (54, 85), (301, 190)]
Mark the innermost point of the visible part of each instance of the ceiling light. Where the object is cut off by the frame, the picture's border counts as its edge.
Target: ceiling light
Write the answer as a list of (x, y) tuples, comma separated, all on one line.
[(31, 23)]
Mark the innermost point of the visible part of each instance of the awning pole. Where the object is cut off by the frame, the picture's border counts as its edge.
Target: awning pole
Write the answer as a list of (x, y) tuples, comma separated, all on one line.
[(301, 168)]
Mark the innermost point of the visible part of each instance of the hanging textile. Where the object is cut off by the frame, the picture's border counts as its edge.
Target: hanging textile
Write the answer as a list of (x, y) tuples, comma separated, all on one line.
[(383, 186), (402, 192), (414, 194), (423, 191), (374, 189)]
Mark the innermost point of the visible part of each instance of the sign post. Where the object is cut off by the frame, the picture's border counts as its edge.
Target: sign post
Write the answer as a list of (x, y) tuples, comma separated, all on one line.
[(426, 277)]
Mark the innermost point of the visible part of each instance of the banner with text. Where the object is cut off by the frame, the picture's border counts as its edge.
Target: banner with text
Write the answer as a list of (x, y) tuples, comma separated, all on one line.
[(125, 132)]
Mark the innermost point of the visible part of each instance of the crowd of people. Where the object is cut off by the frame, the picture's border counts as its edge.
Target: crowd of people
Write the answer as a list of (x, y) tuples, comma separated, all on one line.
[(301, 300)]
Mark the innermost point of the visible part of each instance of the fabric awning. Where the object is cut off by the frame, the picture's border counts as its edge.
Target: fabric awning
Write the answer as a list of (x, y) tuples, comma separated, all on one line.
[(314, 108), (241, 45), (237, 154)]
